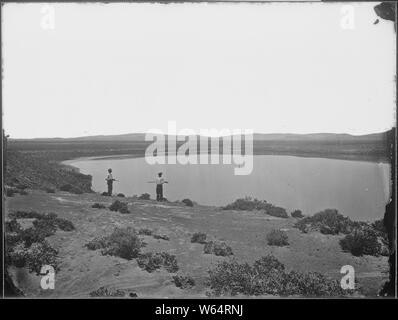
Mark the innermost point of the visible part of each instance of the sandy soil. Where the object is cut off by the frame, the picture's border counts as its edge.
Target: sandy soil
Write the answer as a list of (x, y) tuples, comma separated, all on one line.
[(83, 271)]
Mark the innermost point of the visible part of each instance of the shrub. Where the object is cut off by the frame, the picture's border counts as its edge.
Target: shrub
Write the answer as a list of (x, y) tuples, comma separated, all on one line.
[(297, 214), (217, 248), (76, 190), (188, 202), (183, 282), (66, 187), (145, 196), (152, 261), (64, 225), (145, 231), (98, 206), (34, 257), (277, 238), (97, 243), (276, 212), (20, 214), (31, 235), (104, 194), (21, 186), (23, 192), (329, 221), (11, 191), (268, 276), (199, 237), (49, 190), (45, 227), (123, 243), (121, 195), (119, 206), (361, 241), (161, 236), (107, 292), (250, 204), (13, 226)]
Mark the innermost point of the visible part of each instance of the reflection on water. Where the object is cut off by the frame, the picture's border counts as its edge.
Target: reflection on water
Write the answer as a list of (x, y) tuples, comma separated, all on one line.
[(357, 189)]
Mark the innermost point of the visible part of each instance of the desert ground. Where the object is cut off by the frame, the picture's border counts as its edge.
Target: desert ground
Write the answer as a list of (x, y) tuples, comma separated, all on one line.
[(83, 271)]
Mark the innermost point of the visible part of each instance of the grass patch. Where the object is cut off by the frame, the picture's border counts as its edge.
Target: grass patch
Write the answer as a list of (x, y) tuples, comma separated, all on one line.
[(267, 276), (122, 242), (152, 261), (277, 238), (217, 248), (199, 237), (119, 206), (183, 281)]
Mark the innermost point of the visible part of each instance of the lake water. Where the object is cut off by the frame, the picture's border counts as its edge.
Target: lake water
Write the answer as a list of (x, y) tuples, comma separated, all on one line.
[(357, 189)]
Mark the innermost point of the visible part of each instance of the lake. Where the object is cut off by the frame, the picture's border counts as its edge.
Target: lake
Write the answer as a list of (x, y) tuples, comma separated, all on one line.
[(357, 189)]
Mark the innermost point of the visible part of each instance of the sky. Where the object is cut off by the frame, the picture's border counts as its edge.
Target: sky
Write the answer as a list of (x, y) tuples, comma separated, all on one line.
[(87, 69)]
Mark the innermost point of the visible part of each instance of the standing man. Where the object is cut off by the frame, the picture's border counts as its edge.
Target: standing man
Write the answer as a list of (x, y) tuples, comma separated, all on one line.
[(159, 186), (109, 179)]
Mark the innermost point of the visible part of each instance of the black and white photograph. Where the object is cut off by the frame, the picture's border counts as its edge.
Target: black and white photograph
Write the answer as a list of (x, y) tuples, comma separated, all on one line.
[(199, 150)]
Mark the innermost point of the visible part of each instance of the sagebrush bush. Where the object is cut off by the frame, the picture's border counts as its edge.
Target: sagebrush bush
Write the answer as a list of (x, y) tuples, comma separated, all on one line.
[(121, 195), (34, 257), (199, 237), (45, 227), (183, 281), (267, 276), (277, 238), (66, 187), (145, 196), (217, 248), (98, 206), (188, 202), (361, 241), (20, 214), (107, 292), (145, 231), (49, 190), (122, 242), (119, 206), (152, 261), (297, 214), (249, 204), (13, 226), (64, 225), (328, 221)]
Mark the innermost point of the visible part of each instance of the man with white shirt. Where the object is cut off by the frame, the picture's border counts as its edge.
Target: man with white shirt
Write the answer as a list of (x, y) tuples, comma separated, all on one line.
[(159, 186), (109, 180)]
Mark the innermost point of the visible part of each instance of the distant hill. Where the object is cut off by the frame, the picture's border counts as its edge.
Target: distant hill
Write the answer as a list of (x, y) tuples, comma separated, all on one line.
[(257, 137)]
